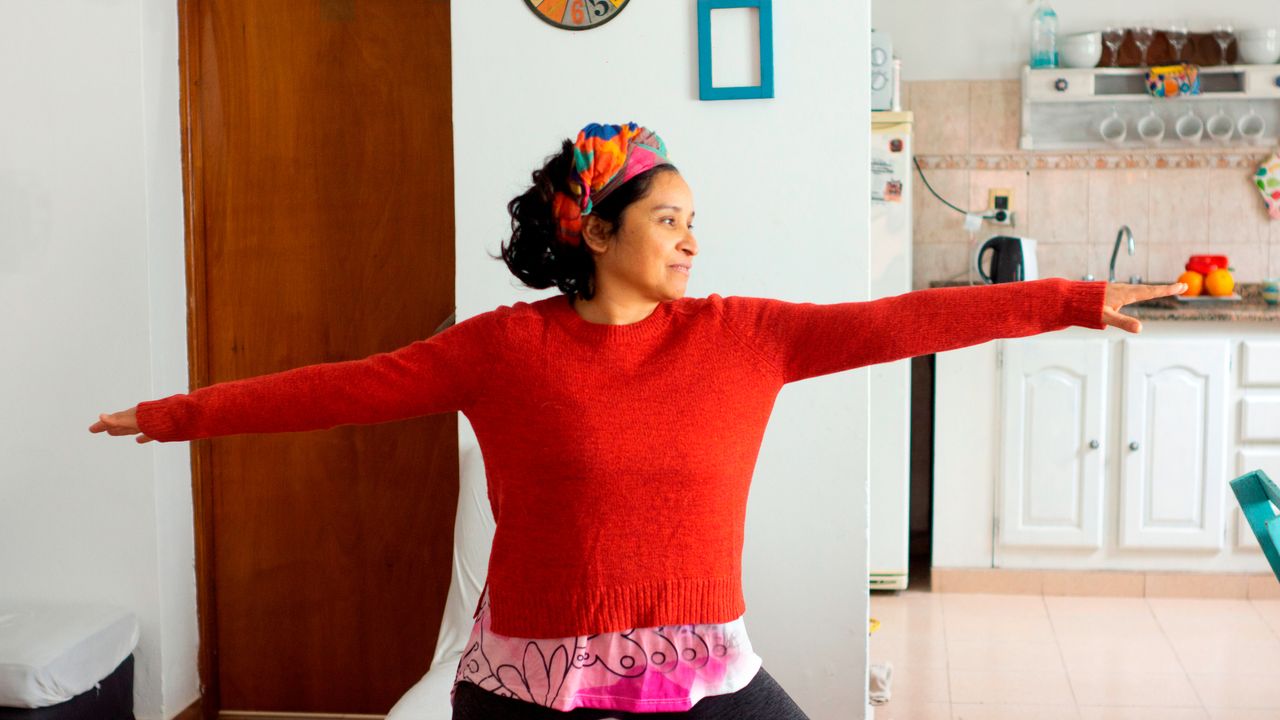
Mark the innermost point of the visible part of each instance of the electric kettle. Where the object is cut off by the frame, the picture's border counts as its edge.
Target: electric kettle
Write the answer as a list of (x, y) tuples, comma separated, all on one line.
[(1012, 259)]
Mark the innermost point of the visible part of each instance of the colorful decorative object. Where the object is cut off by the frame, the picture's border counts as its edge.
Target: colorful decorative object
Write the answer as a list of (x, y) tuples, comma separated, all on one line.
[(1173, 80), (576, 14), (604, 158), (1267, 179), (706, 91)]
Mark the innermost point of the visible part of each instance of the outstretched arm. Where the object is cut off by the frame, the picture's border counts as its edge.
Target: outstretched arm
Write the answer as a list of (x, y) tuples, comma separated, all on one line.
[(439, 374), (804, 340)]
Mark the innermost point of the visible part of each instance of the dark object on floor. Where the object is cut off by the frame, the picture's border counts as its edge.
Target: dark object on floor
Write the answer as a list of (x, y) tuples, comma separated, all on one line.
[(111, 700)]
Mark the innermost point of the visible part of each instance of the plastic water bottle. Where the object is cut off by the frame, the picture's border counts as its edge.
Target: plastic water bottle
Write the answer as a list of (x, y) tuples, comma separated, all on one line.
[(1044, 36)]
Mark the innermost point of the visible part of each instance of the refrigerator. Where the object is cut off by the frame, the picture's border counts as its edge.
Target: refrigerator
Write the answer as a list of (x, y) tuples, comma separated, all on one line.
[(890, 396)]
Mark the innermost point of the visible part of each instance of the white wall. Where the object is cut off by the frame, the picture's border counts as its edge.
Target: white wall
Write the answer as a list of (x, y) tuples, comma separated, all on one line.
[(92, 282), (989, 39), (94, 320), (781, 190)]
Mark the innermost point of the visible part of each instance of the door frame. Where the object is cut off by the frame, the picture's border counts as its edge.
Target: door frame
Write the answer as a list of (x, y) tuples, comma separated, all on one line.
[(189, 86)]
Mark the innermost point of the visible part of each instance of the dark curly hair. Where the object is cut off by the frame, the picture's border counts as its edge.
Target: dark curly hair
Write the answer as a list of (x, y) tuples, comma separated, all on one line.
[(535, 255)]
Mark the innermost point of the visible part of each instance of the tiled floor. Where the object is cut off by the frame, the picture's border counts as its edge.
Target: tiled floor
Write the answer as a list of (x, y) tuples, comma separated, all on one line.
[(989, 657)]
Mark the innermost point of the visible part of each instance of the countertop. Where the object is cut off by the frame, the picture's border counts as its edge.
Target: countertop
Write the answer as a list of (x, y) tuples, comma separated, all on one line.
[(1250, 308)]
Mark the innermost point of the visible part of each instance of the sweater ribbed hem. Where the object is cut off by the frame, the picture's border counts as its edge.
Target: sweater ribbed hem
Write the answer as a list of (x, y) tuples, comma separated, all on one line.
[(156, 421), (556, 613), (1085, 302)]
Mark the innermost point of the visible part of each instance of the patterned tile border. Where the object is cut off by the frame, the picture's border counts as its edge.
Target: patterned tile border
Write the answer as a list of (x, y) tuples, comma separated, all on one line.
[(1225, 160)]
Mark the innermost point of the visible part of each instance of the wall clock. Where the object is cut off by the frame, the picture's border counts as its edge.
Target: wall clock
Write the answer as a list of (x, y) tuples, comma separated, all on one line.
[(576, 14)]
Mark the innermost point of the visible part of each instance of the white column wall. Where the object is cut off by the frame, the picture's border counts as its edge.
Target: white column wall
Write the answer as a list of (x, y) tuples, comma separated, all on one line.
[(781, 189)]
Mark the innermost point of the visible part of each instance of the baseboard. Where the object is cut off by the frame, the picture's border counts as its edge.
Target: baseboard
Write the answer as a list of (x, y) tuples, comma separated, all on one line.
[(192, 712), (247, 715), (1105, 583)]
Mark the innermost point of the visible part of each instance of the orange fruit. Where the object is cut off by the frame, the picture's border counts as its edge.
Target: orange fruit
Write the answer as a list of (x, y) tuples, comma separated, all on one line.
[(1194, 281), (1220, 282)]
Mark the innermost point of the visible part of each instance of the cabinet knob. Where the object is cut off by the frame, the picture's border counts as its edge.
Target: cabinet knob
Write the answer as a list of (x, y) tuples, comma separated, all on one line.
[(1134, 445), (1060, 85), (1094, 444)]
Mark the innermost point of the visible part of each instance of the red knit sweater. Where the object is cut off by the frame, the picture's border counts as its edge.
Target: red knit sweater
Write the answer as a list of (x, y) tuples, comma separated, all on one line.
[(618, 457)]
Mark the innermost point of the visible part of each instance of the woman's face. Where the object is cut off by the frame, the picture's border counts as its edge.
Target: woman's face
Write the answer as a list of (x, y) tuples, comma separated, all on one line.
[(650, 255)]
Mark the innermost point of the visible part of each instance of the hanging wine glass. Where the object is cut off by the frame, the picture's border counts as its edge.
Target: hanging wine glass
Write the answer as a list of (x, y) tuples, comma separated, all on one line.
[(1223, 33), (1177, 36), (1143, 35), (1113, 37)]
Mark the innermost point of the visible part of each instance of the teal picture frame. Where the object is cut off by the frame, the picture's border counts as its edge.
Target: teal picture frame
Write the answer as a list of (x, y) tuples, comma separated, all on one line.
[(706, 91)]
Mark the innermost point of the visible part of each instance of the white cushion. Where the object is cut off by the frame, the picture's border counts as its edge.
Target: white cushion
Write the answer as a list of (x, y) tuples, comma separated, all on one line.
[(429, 699), (52, 653), (472, 539)]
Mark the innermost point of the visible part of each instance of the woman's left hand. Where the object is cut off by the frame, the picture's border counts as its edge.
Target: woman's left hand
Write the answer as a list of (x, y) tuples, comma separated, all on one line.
[(1119, 295)]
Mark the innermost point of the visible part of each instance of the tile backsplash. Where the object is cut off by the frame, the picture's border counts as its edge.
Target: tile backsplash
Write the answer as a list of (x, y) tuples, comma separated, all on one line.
[(1178, 202)]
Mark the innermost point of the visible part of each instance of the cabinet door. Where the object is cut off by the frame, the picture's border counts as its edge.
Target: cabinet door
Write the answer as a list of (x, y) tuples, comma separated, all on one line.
[(1173, 443), (1053, 436)]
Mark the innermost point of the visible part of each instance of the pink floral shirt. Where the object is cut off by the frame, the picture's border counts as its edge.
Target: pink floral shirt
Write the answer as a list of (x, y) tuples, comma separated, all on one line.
[(660, 669)]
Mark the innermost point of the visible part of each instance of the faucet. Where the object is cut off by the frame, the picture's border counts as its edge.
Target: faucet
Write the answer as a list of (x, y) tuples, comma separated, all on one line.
[(1124, 230)]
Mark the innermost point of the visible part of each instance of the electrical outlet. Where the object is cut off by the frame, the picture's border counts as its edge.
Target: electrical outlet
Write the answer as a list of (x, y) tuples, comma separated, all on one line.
[(1000, 206)]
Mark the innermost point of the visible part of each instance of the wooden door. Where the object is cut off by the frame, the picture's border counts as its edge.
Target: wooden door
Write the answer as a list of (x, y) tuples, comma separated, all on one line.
[(1054, 434), (319, 185), (1173, 472)]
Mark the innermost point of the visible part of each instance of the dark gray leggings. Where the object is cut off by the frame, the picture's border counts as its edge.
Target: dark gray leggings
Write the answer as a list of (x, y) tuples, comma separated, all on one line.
[(762, 699)]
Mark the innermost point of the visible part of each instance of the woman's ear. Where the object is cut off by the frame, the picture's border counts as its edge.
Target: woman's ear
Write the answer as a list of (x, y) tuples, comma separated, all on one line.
[(596, 233)]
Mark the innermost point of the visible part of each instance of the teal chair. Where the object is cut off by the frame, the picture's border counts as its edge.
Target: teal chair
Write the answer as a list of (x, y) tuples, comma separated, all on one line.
[(1259, 498)]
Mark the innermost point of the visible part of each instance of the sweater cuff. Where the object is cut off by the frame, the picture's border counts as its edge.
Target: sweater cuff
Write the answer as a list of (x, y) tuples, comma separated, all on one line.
[(156, 421), (1084, 303)]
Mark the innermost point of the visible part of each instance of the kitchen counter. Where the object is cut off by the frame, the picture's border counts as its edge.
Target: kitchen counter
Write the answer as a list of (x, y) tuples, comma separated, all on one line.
[(1251, 306)]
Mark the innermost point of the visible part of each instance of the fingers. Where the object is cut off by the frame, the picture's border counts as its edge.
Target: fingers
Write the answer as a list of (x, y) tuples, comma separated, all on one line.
[(1155, 291), (112, 424), (1122, 321), (1119, 295)]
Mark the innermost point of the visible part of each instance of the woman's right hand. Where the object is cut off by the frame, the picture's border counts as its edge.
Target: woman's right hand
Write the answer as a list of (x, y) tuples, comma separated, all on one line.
[(124, 422)]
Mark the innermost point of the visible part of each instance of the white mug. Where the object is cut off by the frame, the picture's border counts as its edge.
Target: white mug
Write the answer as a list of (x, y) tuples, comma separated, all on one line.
[(1252, 127), (1220, 127), (1151, 128), (1113, 129), (1189, 128)]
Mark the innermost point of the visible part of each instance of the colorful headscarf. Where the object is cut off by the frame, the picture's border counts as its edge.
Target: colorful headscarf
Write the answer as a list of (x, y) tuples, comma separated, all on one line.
[(604, 158)]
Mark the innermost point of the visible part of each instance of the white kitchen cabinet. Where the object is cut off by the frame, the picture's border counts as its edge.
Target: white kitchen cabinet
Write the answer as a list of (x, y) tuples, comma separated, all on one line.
[(1053, 425), (1173, 443), (1017, 483), (1260, 419), (1261, 363)]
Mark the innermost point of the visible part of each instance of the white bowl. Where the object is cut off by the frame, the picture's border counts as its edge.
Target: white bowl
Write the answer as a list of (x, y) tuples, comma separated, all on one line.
[(1259, 51), (1256, 33), (1080, 53), (1087, 39)]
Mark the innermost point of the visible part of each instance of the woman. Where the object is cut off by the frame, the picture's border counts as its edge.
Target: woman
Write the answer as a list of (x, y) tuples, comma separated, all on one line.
[(619, 423)]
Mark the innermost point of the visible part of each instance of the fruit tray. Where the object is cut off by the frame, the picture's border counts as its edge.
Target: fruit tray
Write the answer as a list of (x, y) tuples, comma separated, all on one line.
[(1233, 297)]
